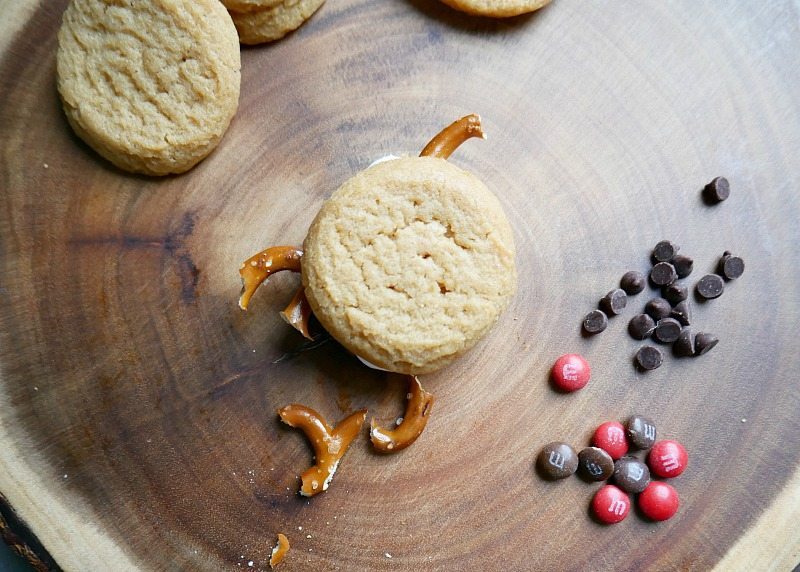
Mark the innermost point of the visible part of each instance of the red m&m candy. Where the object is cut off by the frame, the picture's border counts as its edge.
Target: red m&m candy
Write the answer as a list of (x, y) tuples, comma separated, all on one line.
[(610, 437), (571, 372), (611, 505), (667, 459), (659, 501)]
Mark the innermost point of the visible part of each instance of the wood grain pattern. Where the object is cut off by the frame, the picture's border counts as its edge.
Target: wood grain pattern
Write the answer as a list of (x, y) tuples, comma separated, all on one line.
[(137, 403)]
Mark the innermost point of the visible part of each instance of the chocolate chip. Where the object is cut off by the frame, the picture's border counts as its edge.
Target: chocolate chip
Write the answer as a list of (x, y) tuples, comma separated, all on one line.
[(710, 286), (675, 292), (632, 282), (682, 312), (614, 302), (665, 251), (595, 322), (631, 475), (641, 432), (667, 330), (658, 308), (663, 273), (731, 267), (594, 464), (684, 345), (717, 190), (649, 358), (557, 460), (703, 343), (641, 326), (683, 265)]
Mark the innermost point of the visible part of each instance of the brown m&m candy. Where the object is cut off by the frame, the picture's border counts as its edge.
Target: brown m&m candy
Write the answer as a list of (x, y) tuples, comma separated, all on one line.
[(710, 286), (641, 326), (631, 475), (595, 464), (641, 432), (557, 460), (632, 282), (667, 330), (658, 308), (717, 190), (665, 251), (614, 302), (663, 273), (649, 358), (595, 322), (731, 267)]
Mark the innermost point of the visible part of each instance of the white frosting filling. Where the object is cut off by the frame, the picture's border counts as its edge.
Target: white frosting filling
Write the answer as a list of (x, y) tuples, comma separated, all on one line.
[(370, 365), (383, 160)]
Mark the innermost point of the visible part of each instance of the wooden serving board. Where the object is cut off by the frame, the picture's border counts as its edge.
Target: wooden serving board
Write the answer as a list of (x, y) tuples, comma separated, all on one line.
[(137, 403)]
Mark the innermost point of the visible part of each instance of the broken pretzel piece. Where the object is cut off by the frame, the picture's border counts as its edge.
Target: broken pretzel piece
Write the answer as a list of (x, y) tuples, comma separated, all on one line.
[(413, 424), (279, 551), (256, 269), (449, 139), (298, 313), (329, 444)]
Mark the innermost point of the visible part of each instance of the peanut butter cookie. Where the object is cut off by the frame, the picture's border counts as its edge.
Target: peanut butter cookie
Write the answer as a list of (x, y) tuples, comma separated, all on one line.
[(250, 5), (409, 263), (496, 8), (257, 26), (151, 85)]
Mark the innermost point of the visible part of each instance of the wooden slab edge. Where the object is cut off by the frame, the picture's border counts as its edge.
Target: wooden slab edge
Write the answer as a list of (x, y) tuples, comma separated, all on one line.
[(60, 529), (765, 545), (15, 15), (22, 541)]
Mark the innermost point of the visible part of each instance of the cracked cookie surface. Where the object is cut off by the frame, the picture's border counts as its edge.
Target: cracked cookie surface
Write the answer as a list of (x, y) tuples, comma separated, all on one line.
[(151, 85), (410, 263)]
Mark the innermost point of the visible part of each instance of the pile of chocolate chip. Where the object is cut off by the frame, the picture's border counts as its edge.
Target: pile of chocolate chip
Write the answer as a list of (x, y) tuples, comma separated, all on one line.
[(608, 458), (667, 318)]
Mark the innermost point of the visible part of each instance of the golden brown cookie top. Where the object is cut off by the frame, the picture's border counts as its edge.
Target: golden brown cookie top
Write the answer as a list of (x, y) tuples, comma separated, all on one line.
[(150, 84), (261, 25), (497, 8), (410, 263)]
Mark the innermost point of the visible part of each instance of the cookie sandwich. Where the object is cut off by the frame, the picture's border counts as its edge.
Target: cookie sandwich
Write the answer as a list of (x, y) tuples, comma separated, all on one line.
[(407, 265)]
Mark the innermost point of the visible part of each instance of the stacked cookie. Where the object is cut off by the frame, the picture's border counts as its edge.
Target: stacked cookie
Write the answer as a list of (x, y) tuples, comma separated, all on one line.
[(150, 85), (259, 21), (409, 264)]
